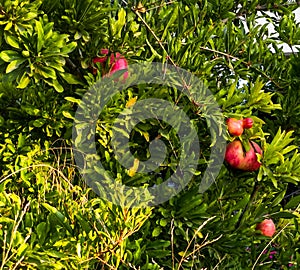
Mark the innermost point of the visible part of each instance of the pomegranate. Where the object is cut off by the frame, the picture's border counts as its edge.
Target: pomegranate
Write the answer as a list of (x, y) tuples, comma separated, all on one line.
[(247, 123), (235, 126), (236, 157), (116, 62), (266, 227)]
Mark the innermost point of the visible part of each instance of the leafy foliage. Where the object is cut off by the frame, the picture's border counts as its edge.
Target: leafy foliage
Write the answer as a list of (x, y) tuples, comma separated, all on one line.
[(50, 219)]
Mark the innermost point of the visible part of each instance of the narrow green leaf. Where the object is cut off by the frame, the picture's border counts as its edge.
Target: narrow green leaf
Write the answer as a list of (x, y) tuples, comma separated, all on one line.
[(67, 115), (284, 214), (40, 35), (278, 198), (293, 203), (22, 249), (59, 216), (72, 99), (232, 90), (172, 19)]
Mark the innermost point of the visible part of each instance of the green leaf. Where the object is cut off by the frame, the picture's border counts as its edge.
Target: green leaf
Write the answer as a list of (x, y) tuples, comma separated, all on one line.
[(39, 122), (6, 220), (21, 140), (22, 249), (119, 24), (14, 65), (8, 26), (24, 81), (46, 72), (59, 216), (171, 20), (68, 115), (278, 198), (40, 35), (69, 48), (57, 86), (74, 100), (31, 110), (293, 203), (12, 41), (283, 214), (156, 232), (70, 78), (9, 56), (231, 90)]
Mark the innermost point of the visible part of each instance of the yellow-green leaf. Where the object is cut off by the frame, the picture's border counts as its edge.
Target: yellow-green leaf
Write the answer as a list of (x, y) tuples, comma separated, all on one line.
[(57, 86), (24, 81), (13, 65), (68, 115), (40, 35), (8, 55), (12, 41)]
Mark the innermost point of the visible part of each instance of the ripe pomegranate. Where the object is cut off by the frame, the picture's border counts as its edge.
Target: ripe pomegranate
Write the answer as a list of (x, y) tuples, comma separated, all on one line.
[(247, 123), (235, 126), (267, 227), (116, 62), (237, 159)]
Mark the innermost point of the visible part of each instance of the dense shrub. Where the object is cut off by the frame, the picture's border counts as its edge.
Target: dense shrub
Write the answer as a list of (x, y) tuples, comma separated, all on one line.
[(50, 218)]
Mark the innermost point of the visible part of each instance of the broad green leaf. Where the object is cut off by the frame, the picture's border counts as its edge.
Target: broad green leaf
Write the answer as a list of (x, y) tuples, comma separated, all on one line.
[(69, 48), (8, 26), (57, 86), (14, 65), (70, 78), (12, 41), (56, 65), (156, 232), (46, 72), (24, 81), (119, 24), (39, 122), (9, 56), (21, 140)]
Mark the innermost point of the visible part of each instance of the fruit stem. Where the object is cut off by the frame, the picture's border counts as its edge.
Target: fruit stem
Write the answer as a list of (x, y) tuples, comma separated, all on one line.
[(252, 196)]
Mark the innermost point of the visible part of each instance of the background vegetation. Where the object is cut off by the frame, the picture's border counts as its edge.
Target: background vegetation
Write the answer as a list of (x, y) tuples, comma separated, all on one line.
[(50, 219)]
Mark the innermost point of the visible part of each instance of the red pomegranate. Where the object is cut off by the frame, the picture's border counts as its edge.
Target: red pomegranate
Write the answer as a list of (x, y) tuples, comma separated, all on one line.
[(237, 159)]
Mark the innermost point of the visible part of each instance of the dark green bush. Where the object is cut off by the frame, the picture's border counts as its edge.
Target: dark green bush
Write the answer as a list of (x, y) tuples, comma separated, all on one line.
[(50, 218)]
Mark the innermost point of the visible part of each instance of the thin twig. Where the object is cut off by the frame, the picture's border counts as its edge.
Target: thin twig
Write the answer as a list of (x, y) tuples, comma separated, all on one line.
[(190, 242), (271, 241), (161, 45), (242, 61), (172, 243)]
